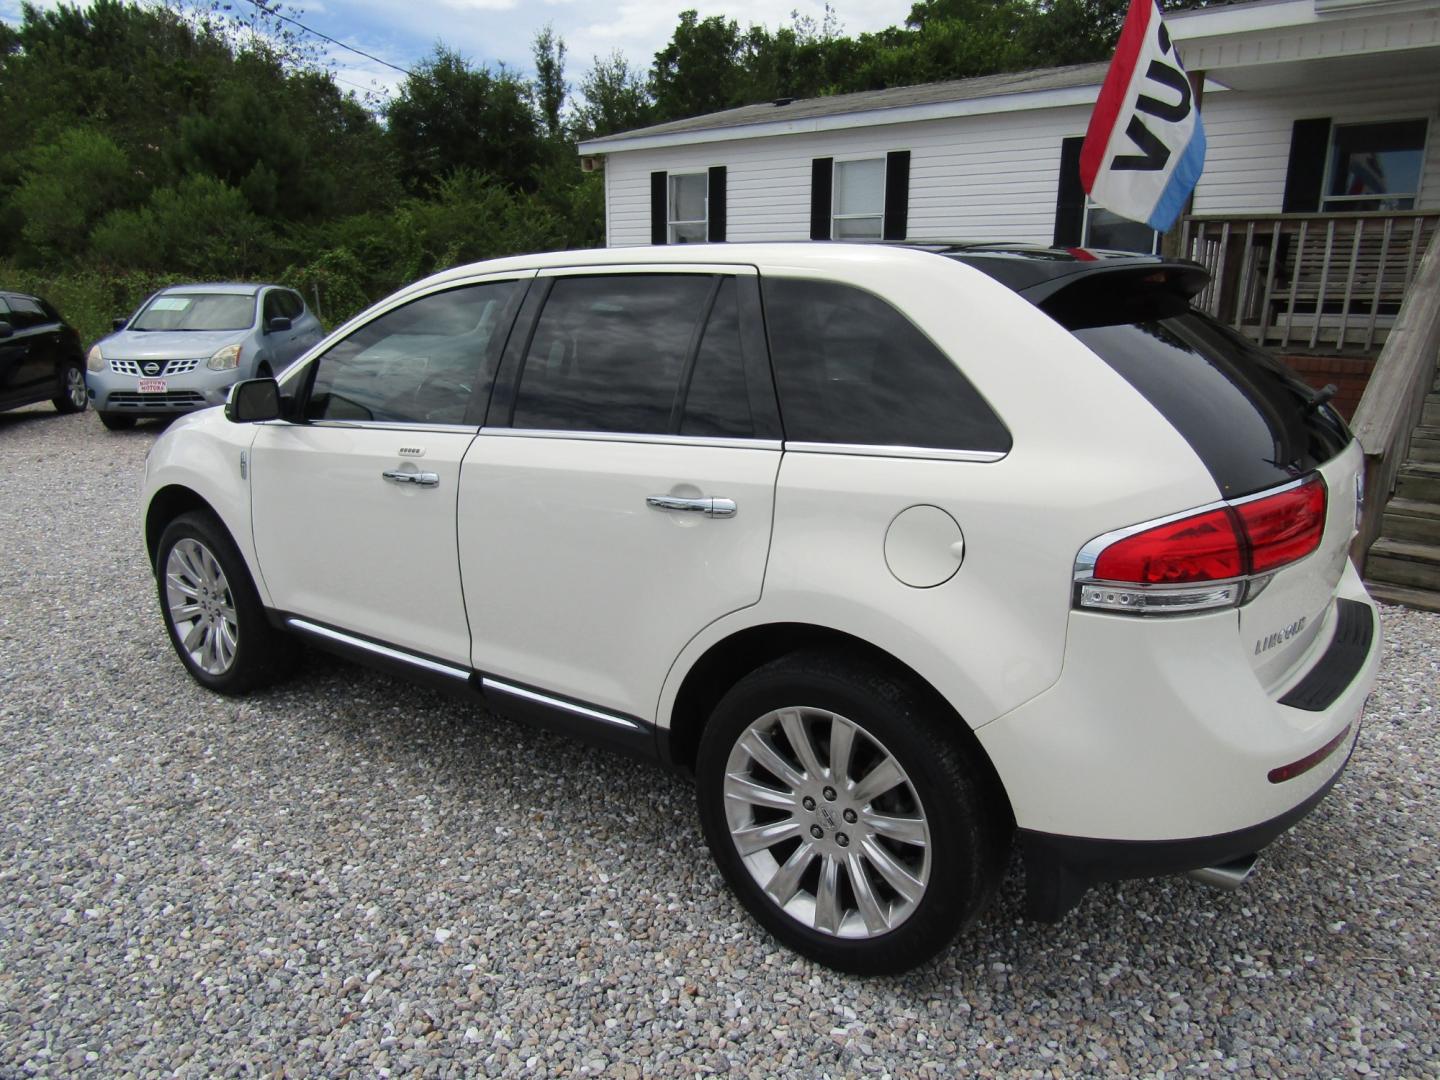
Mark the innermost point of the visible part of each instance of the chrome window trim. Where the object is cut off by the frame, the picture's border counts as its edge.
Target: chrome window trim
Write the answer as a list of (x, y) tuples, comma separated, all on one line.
[(380, 650), (630, 437), (983, 457), (379, 425), (556, 703)]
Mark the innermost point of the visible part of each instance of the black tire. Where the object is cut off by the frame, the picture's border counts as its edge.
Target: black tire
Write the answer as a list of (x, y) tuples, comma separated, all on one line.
[(264, 372), (228, 646), (73, 397), (117, 421), (944, 786)]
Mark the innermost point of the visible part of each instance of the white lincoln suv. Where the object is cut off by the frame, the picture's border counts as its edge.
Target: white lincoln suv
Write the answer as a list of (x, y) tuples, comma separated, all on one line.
[(905, 555)]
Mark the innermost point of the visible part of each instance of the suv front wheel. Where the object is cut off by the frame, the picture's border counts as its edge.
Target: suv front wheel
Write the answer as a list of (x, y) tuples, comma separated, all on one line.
[(849, 821), (212, 612)]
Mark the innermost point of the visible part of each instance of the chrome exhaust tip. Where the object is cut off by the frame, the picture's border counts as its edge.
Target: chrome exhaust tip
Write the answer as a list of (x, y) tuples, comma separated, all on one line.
[(1229, 876)]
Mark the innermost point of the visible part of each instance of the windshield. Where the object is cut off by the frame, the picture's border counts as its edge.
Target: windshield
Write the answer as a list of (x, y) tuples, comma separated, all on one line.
[(197, 311)]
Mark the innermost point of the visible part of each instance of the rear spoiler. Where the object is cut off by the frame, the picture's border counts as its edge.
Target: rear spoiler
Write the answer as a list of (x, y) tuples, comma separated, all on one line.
[(1105, 295)]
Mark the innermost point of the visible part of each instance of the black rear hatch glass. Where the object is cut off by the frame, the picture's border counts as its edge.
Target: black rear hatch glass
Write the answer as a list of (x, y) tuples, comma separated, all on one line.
[(1249, 419)]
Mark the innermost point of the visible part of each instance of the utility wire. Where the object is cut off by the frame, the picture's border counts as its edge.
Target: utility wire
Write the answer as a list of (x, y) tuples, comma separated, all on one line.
[(334, 41)]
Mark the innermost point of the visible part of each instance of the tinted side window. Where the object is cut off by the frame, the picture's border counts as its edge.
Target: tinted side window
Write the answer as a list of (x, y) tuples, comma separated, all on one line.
[(273, 308), (291, 306), (608, 353), (419, 363), (25, 313), (852, 369), (717, 401)]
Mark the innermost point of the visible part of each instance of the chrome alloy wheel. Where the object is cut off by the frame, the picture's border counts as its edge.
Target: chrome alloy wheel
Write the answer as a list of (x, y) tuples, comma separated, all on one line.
[(200, 607), (827, 822), (75, 387)]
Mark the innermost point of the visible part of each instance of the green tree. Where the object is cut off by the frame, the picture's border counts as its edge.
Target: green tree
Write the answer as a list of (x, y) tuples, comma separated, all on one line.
[(67, 186), (203, 227), (449, 115), (614, 98), (701, 70), (550, 85)]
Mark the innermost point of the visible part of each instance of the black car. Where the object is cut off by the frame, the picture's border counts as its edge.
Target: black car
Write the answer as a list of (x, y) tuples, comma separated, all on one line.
[(40, 356)]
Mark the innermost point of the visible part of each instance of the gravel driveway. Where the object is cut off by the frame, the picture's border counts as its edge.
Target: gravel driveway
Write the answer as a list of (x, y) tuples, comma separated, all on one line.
[(351, 876)]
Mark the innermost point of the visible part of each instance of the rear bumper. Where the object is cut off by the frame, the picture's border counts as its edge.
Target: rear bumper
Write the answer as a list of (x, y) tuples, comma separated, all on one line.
[(1059, 869), (1159, 751)]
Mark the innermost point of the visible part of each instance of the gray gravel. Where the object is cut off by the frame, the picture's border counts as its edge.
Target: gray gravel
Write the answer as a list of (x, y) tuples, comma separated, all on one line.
[(352, 877)]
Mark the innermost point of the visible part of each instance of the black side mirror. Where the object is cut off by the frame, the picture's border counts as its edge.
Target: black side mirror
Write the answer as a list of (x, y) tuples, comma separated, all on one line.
[(6, 330), (252, 401), (119, 323), (277, 324)]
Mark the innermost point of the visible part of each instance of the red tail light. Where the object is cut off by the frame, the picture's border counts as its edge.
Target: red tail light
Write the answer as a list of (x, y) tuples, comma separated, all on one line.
[(1173, 565)]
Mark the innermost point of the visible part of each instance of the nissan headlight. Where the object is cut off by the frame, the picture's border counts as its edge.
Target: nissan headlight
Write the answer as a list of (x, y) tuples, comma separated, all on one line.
[(93, 360), (224, 359)]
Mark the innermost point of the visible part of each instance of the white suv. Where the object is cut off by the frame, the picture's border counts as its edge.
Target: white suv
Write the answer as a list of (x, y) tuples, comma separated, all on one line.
[(906, 555)]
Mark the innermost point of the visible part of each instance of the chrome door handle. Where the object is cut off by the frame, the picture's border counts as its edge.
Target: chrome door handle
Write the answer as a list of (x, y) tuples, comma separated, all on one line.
[(420, 479), (708, 507)]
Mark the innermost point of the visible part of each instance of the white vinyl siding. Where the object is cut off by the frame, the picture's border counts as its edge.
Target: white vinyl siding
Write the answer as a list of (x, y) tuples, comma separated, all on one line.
[(994, 177), (983, 178), (1249, 137)]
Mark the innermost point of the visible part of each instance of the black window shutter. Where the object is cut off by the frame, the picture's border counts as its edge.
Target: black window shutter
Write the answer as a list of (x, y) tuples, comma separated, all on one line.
[(659, 191), (1304, 175), (897, 194), (1070, 196), (716, 224), (822, 179)]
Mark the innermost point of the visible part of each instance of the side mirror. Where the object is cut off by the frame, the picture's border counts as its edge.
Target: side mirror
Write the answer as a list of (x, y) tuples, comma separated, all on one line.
[(277, 324), (252, 401), (119, 323), (6, 330)]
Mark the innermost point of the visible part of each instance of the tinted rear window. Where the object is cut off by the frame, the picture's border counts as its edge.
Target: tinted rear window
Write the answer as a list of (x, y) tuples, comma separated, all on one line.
[(1251, 422)]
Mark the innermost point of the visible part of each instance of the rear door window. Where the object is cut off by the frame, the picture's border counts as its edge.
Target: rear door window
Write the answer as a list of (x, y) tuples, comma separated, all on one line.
[(852, 369)]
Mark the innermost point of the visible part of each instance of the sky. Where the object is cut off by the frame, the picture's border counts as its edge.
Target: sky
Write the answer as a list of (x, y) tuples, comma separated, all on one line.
[(492, 32)]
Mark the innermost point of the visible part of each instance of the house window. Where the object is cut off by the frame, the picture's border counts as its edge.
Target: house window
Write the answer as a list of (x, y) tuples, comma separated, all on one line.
[(858, 210), (1374, 166), (1109, 231), (688, 221)]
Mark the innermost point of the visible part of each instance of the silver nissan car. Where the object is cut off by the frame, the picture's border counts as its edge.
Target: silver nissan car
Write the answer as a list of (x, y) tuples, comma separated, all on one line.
[(188, 344)]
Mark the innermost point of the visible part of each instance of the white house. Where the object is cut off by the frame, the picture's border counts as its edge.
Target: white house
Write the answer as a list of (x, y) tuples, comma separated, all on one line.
[(1321, 184)]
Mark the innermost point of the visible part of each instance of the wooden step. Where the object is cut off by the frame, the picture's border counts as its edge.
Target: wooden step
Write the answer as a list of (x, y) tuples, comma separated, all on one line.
[(1424, 446), (1408, 519), (1404, 562), (1431, 416), (1419, 481), (1421, 599)]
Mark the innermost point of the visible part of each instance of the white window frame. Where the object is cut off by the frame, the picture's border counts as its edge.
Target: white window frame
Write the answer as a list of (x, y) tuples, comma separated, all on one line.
[(671, 221), (879, 218), (1326, 199)]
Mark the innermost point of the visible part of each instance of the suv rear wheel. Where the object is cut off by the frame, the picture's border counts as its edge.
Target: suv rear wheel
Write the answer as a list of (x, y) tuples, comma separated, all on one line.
[(212, 612), (850, 823)]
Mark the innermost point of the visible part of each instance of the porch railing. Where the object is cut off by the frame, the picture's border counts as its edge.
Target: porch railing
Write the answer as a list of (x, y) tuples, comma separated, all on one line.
[(1309, 281)]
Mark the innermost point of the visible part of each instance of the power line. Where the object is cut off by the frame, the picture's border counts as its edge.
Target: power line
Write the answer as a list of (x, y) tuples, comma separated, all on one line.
[(334, 41)]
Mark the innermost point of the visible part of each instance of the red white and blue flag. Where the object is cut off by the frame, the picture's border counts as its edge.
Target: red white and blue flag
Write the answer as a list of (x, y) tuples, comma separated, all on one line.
[(1145, 146)]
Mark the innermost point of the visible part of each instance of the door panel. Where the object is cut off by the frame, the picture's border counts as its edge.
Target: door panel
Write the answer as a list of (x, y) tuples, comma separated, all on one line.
[(340, 543), (576, 586)]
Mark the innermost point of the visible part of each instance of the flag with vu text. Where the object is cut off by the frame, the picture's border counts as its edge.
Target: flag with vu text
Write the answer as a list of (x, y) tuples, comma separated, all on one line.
[(1145, 146)]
